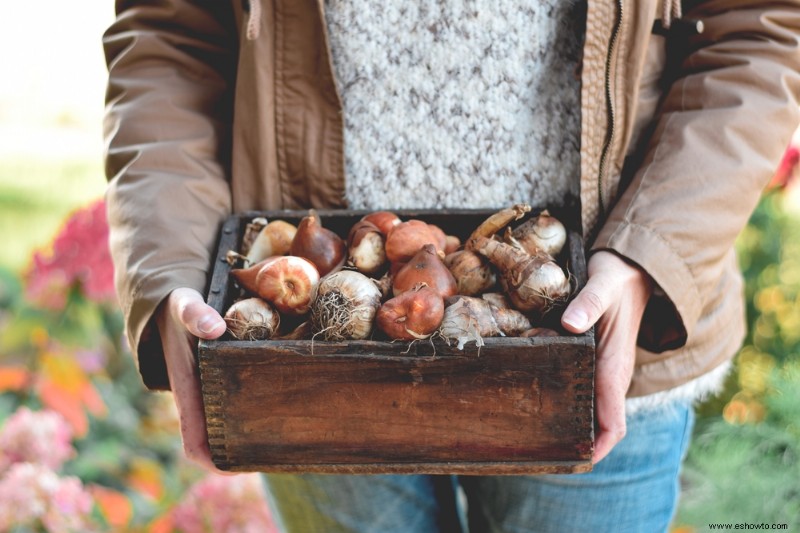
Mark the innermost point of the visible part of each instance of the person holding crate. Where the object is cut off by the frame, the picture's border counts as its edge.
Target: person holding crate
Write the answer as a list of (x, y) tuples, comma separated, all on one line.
[(664, 126)]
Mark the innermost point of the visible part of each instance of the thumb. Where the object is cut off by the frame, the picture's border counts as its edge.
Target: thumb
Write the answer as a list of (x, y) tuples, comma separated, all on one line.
[(200, 319), (587, 307)]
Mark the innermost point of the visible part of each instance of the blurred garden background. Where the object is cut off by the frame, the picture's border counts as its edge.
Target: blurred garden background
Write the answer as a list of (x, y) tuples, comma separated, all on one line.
[(84, 448)]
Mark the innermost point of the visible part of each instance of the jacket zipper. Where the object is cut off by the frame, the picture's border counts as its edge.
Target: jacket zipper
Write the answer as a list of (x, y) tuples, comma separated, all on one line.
[(604, 155)]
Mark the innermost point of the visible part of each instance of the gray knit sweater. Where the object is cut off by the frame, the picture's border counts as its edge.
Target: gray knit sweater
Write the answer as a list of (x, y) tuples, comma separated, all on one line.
[(458, 103), (465, 103)]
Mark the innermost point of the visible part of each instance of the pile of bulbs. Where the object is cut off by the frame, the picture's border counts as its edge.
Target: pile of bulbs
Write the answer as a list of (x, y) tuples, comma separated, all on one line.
[(405, 280)]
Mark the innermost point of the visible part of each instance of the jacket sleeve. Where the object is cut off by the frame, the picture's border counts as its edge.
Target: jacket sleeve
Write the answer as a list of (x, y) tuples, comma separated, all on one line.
[(168, 107), (723, 125)]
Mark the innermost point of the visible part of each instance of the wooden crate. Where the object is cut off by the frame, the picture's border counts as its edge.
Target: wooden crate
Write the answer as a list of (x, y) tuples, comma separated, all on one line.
[(514, 406)]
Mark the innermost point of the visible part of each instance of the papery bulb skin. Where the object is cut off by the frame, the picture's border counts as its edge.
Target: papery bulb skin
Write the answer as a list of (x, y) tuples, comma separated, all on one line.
[(413, 315), (473, 272), (383, 220), (366, 249), (468, 318), (344, 306), (319, 245), (426, 267), (533, 283), (287, 282), (252, 319), (274, 239), (541, 234), (407, 238), (251, 231), (246, 277), (445, 244), (497, 299)]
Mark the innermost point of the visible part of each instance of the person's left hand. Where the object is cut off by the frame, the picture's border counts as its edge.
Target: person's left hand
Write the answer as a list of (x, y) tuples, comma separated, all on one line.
[(614, 298)]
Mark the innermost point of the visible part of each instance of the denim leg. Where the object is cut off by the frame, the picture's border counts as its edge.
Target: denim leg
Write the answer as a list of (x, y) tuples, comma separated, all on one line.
[(311, 503), (634, 489)]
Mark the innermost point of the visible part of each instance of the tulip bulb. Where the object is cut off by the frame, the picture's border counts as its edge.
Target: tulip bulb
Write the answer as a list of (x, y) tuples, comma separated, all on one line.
[(319, 245), (384, 220), (366, 251), (407, 238), (287, 282), (415, 314), (425, 267), (274, 239)]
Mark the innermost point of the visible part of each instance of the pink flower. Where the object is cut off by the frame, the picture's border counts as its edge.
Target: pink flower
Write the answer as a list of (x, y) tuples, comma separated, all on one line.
[(79, 255), (233, 504), (33, 496), (786, 174), (42, 437)]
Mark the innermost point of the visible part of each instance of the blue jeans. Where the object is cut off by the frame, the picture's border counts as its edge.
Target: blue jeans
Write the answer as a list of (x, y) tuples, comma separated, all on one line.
[(634, 489)]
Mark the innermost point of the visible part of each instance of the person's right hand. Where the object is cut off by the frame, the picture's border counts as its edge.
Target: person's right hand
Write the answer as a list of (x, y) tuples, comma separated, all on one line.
[(182, 318)]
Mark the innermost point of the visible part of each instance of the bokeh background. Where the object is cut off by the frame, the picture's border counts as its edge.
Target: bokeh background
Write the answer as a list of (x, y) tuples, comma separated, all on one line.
[(83, 447)]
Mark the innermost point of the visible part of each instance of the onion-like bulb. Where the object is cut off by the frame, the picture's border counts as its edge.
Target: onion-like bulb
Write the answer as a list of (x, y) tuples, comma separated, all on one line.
[(415, 314), (425, 267), (252, 319), (365, 248), (274, 239), (473, 272), (251, 231), (319, 245), (286, 281), (408, 237), (344, 306), (532, 282), (467, 318), (450, 243), (544, 233), (384, 220)]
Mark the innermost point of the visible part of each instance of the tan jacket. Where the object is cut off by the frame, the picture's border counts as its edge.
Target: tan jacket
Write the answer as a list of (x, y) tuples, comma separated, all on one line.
[(217, 106)]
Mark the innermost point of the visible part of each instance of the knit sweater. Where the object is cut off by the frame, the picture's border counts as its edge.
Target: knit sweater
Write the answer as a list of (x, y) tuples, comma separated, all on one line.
[(464, 103)]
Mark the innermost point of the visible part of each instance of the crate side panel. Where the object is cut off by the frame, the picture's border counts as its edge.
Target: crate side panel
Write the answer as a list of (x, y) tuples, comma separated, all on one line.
[(512, 406)]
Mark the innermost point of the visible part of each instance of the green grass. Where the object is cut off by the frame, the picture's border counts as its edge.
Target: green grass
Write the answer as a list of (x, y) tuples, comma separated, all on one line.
[(749, 472), (35, 197)]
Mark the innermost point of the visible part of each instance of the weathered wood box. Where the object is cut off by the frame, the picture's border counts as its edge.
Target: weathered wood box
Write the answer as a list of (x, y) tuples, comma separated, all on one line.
[(514, 406)]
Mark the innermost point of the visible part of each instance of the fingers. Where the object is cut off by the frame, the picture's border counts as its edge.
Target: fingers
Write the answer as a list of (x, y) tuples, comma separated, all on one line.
[(189, 402), (612, 378), (186, 316), (197, 317), (587, 307), (607, 438), (611, 281), (614, 299)]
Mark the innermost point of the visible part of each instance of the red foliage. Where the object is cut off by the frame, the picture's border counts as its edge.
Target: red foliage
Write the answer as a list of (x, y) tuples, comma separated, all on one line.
[(78, 256)]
